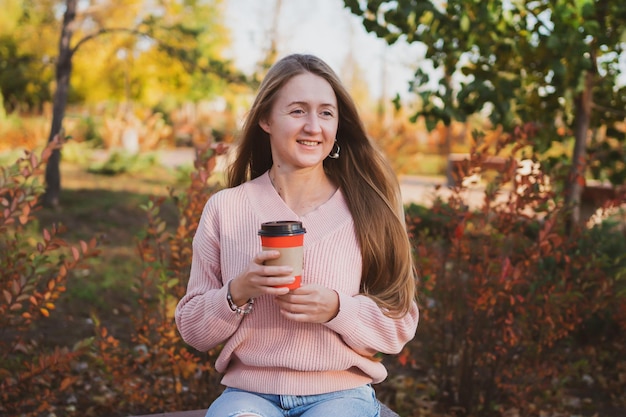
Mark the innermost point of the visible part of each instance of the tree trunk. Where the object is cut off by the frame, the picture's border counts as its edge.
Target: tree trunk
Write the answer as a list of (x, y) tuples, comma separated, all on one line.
[(63, 73), (576, 180)]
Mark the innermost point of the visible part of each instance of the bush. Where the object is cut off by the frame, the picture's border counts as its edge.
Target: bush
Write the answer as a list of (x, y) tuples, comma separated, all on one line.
[(33, 274), (159, 372), (512, 299)]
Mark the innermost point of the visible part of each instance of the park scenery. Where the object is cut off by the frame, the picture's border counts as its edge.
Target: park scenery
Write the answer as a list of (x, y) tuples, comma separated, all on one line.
[(117, 119)]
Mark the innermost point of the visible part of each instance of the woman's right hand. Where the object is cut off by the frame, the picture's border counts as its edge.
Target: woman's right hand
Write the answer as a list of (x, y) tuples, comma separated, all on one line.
[(259, 279)]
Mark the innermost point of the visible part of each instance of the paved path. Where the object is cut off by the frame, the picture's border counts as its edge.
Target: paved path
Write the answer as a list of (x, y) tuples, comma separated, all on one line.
[(414, 189)]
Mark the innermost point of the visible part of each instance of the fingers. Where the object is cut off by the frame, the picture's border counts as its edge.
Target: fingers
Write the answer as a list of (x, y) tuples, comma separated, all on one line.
[(270, 270), (272, 275), (261, 279), (314, 304), (266, 255)]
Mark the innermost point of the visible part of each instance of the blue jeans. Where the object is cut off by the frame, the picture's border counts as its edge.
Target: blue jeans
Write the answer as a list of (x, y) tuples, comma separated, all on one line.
[(357, 402)]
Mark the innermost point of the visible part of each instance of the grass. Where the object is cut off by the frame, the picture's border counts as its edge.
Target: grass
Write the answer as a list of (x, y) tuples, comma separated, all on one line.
[(108, 208)]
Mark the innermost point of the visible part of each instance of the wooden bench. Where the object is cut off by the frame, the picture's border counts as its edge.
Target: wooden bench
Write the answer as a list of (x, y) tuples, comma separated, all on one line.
[(384, 412), (458, 165)]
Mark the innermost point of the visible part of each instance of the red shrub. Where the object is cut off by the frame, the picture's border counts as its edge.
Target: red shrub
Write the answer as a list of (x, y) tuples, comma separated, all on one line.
[(506, 294), (159, 372), (33, 274)]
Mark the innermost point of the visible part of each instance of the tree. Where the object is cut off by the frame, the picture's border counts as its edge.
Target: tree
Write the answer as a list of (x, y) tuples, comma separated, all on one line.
[(25, 74), (553, 63), (63, 72), (171, 30)]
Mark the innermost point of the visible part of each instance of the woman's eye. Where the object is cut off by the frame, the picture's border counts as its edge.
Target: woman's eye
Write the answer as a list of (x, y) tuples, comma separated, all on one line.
[(327, 113), (297, 111)]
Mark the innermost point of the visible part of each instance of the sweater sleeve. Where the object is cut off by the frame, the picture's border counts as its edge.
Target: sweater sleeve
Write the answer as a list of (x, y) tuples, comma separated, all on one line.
[(363, 326), (203, 316)]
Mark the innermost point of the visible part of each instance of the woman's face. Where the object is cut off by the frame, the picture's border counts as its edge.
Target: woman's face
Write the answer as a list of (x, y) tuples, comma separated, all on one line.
[(302, 124)]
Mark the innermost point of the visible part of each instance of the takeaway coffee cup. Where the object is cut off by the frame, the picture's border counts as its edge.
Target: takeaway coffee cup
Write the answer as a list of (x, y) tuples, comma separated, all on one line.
[(287, 237)]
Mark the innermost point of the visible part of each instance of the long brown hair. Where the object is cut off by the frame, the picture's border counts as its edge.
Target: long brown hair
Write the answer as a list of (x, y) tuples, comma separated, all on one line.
[(363, 174)]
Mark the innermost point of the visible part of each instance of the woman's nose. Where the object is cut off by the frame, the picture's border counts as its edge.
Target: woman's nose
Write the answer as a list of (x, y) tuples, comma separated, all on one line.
[(312, 124)]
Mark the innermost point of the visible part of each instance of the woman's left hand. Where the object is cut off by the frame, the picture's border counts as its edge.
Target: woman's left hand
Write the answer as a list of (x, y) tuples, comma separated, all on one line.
[(309, 303)]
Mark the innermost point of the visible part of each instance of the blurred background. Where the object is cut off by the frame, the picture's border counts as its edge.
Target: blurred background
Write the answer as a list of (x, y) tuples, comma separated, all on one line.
[(505, 122)]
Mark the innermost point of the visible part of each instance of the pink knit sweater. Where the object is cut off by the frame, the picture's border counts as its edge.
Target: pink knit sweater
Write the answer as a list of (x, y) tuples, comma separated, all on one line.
[(262, 351)]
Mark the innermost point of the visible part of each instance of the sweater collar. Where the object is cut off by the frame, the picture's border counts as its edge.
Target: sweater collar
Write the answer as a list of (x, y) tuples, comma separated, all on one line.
[(271, 207)]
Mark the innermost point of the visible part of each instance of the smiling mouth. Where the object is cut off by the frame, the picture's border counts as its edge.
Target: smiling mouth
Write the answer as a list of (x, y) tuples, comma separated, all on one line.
[(308, 142)]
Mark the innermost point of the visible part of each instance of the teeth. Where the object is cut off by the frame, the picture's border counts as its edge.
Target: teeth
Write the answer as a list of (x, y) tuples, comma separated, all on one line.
[(308, 142)]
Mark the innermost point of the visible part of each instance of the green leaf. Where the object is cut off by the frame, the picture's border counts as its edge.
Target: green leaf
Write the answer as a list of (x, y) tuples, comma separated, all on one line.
[(465, 23)]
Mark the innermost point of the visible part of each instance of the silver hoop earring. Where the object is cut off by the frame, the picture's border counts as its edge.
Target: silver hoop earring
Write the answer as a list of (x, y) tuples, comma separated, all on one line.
[(334, 154)]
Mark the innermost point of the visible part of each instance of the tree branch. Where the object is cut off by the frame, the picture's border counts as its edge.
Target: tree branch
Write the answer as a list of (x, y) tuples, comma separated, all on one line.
[(614, 111), (103, 31)]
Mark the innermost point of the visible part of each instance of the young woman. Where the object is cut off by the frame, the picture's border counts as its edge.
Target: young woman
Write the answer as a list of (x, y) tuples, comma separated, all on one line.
[(303, 155)]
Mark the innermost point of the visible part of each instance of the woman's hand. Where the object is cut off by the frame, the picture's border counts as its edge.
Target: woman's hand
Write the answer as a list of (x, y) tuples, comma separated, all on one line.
[(259, 279), (309, 303)]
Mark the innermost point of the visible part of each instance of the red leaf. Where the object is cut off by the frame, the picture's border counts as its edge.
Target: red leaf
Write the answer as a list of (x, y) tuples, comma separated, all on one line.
[(46, 153), (458, 231), (24, 216), (506, 268), (33, 160), (403, 360), (66, 383)]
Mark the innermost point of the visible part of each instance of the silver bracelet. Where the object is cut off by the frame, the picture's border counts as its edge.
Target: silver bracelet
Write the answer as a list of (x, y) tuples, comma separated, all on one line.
[(244, 309)]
